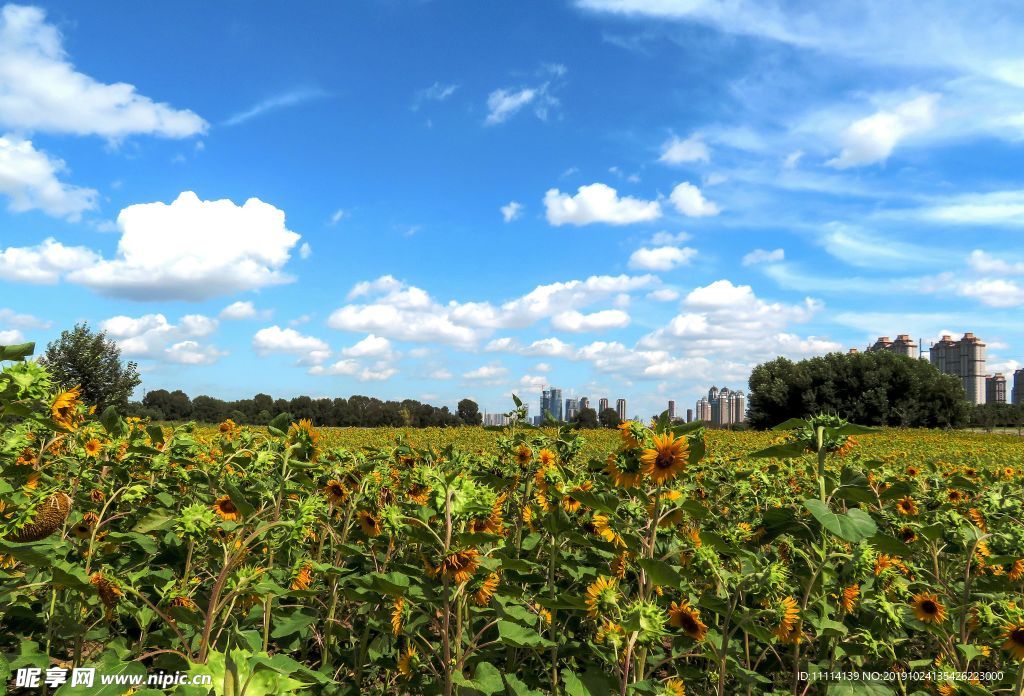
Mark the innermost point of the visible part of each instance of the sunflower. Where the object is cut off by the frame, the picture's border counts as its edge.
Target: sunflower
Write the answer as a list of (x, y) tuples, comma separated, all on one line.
[(335, 491), (621, 476), (407, 661), (978, 519), (523, 455), (629, 440), (674, 687), (605, 531), (458, 566), (304, 439), (93, 447), (912, 471), (185, 602), (397, 614), (620, 565), (110, 593), (884, 562), (304, 578), (547, 457), (906, 506), (63, 409), (226, 508), (83, 530), (907, 535), (602, 594), (1014, 643), (666, 459), (848, 601), (787, 631), (610, 632), (1017, 570), (927, 608), (683, 616), (482, 597), (369, 524), (954, 496)]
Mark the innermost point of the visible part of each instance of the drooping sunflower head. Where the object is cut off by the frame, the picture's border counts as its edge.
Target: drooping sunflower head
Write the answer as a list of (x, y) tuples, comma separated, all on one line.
[(602, 596), (683, 616), (627, 435), (666, 459), (397, 615), (482, 597), (624, 471), (408, 662), (369, 523), (906, 506), (788, 628), (849, 597), (647, 619), (335, 492), (304, 577), (673, 687), (304, 440), (927, 608), (1014, 640), (458, 566), (83, 530), (226, 508), (64, 409)]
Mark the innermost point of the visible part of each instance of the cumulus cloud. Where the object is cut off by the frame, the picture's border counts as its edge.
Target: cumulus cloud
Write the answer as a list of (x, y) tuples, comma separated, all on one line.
[(192, 249), (28, 177), (487, 373), (575, 321), (153, 337), (546, 347), (759, 256), (663, 295), (663, 258), (512, 211), (983, 262), (23, 321), (597, 203), (44, 263), (10, 337), (371, 346), (872, 139), (237, 311), (274, 339), (678, 151), (689, 201), (40, 90), (995, 292)]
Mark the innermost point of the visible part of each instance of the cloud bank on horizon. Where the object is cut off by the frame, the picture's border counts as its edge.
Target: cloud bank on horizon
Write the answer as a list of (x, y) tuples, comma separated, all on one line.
[(633, 198)]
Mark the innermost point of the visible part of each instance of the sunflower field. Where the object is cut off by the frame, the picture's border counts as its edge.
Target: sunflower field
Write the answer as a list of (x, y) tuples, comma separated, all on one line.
[(820, 557)]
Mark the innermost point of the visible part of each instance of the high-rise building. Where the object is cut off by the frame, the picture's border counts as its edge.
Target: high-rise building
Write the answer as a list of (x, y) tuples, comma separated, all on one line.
[(602, 404), (689, 415), (995, 389), (496, 419), (964, 359), (620, 408), (671, 410), (1018, 386), (584, 402), (903, 345), (572, 409), (721, 407), (551, 402)]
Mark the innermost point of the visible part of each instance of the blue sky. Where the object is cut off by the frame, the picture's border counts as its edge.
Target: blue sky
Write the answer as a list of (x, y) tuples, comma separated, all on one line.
[(436, 200)]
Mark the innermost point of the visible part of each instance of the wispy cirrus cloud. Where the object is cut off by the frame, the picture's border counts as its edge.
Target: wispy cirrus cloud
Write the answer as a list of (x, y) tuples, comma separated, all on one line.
[(280, 101)]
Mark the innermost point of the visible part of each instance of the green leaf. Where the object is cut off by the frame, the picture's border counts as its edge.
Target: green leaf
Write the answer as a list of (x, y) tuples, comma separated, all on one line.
[(858, 688), (592, 683), (660, 572), (791, 424), (239, 500), (296, 622), (109, 666), (155, 519), (279, 426), (854, 526), (519, 636), (890, 545), (486, 680), (17, 352)]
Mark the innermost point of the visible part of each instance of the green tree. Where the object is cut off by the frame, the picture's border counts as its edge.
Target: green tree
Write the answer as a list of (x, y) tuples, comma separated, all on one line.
[(82, 357), (469, 412), (586, 419), (871, 388), (609, 418)]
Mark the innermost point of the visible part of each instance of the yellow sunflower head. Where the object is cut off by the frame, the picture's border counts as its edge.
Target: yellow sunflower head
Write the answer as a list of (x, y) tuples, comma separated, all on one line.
[(927, 608), (906, 506), (93, 447), (335, 492), (666, 459), (683, 616), (64, 409), (1014, 640), (369, 523), (226, 508), (602, 596)]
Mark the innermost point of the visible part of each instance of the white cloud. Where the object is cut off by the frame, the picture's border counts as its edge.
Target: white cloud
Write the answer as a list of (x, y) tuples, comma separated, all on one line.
[(274, 339), (441, 373), (40, 90), (663, 295), (504, 103), (993, 208), (663, 258), (669, 239), (759, 256), (873, 139), (28, 177), (597, 203), (152, 337), (237, 311), (305, 251), (512, 211), (280, 101), (23, 321), (792, 159), (337, 216), (546, 347), (11, 337), (996, 292), (192, 249), (438, 91), (677, 151), (371, 346), (44, 263), (983, 262), (595, 321), (689, 201), (486, 373)]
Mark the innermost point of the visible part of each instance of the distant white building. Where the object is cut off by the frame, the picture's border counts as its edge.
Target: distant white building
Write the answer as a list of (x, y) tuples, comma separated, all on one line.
[(722, 407)]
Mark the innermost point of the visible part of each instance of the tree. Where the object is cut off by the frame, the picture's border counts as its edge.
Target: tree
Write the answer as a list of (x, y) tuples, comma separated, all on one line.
[(586, 419), (871, 388), (90, 360), (609, 418), (469, 412)]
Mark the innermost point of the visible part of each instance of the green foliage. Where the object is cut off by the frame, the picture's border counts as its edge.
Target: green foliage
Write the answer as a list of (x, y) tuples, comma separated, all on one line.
[(469, 412), (871, 388), (83, 358)]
